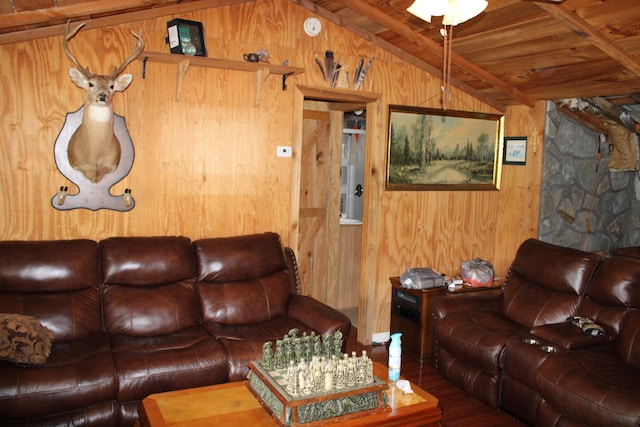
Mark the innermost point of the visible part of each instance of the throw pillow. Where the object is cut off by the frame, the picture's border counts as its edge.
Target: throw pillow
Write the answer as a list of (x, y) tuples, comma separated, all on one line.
[(23, 340)]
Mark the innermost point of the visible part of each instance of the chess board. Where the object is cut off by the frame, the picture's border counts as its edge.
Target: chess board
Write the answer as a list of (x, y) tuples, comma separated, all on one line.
[(314, 409)]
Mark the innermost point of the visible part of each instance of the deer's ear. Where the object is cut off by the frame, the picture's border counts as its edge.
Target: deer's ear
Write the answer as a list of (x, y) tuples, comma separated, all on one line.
[(78, 78), (122, 82)]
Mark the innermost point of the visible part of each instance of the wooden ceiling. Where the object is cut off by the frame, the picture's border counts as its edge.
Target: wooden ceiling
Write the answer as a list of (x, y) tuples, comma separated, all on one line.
[(515, 52)]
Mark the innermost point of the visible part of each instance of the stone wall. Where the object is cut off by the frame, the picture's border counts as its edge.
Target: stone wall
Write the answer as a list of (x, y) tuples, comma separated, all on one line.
[(579, 207)]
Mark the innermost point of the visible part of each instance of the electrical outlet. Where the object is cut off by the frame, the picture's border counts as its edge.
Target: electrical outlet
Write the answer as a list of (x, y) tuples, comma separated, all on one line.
[(381, 337), (283, 151)]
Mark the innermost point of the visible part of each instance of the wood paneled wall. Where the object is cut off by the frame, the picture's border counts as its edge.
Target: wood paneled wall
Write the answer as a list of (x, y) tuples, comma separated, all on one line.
[(206, 165)]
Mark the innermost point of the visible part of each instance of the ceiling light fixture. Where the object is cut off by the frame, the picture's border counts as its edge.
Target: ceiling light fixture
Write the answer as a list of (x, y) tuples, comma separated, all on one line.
[(453, 12)]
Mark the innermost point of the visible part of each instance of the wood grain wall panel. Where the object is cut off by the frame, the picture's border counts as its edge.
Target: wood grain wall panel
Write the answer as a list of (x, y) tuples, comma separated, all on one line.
[(350, 248), (206, 165)]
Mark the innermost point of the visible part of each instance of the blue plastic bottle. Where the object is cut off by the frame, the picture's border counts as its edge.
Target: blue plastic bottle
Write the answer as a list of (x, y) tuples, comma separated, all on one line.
[(395, 356)]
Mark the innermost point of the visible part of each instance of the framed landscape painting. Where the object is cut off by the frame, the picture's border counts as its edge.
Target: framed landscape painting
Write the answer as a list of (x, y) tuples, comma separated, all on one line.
[(431, 149)]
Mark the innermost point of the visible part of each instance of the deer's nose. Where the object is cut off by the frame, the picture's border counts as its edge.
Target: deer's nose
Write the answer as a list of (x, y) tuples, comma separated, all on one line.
[(102, 97)]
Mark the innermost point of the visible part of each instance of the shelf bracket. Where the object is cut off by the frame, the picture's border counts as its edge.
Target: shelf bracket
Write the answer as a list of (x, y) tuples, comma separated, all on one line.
[(144, 66), (259, 77), (284, 80), (183, 66)]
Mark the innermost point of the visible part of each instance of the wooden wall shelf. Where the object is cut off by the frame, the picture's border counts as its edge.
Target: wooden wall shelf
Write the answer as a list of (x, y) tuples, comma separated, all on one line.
[(260, 70)]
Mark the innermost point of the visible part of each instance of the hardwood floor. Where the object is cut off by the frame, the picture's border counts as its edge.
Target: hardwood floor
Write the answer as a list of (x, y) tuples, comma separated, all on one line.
[(458, 408)]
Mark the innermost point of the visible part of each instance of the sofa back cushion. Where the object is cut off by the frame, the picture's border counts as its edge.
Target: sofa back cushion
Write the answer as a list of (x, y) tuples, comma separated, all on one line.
[(243, 279), (546, 283), (149, 285), (54, 281), (627, 345), (611, 292)]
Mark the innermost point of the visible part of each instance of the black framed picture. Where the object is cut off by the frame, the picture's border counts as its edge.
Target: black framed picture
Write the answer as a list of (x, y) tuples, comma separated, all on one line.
[(515, 150), (186, 37)]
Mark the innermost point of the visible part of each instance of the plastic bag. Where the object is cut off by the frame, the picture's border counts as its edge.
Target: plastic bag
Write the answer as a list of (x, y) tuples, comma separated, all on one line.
[(421, 278), (477, 272)]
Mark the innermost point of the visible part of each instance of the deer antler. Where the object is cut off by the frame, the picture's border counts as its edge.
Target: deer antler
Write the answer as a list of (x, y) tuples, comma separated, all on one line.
[(136, 52), (65, 44)]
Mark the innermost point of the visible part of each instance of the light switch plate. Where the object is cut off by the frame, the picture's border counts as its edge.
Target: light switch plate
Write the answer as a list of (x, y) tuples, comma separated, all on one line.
[(283, 151)]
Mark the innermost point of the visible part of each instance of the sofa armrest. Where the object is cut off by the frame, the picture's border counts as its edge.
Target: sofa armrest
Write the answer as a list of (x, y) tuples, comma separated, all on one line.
[(474, 301), (318, 316), (569, 337)]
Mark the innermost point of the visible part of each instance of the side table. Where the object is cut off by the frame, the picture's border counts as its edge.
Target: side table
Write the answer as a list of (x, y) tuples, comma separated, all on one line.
[(411, 315)]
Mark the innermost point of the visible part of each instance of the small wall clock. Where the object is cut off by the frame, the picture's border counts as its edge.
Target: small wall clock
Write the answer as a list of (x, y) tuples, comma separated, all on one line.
[(312, 26)]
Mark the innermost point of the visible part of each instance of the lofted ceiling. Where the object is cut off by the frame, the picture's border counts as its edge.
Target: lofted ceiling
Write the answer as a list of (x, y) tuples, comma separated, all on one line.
[(584, 54)]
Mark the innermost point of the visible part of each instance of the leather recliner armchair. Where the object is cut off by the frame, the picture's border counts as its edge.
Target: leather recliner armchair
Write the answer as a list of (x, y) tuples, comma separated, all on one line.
[(516, 350)]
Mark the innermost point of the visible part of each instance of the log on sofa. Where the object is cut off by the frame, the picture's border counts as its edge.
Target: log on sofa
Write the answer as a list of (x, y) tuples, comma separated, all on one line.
[(131, 316), (516, 350)]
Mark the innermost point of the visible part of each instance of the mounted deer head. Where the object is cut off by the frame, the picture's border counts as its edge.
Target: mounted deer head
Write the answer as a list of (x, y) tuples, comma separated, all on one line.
[(93, 149)]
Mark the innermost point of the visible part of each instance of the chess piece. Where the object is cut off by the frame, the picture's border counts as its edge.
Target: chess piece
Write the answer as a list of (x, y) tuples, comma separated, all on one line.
[(369, 372), (339, 377), (302, 374), (267, 355), (292, 379), (337, 343), (350, 373), (279, 356), (327, 343), (298, 349)]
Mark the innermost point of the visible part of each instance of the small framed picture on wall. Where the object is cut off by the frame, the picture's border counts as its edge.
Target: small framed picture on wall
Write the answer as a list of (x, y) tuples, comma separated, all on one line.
[(515, 150)]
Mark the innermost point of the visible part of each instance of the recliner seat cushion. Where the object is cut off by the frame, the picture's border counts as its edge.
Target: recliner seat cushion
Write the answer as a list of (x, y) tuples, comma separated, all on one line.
[(591, 387), (477, 338), (77, 374), (185, 359)]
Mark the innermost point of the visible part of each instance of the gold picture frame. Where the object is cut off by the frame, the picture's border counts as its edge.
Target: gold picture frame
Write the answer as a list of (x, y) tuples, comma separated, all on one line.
[(431, 149)]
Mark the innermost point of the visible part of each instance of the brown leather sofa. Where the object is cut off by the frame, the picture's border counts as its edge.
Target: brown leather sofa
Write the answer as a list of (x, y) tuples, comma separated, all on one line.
[(133, 316), (516, 350)]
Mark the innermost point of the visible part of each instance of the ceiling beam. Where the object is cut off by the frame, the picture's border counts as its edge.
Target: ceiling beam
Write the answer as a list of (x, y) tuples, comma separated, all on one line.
[(405, 31), (594, 124), (595, 37), (83, 11), (411, 59), (614, 113), (42, 16)]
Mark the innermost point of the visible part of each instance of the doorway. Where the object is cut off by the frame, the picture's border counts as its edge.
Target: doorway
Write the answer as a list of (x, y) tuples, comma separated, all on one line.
[(331, 204), (330, 253)]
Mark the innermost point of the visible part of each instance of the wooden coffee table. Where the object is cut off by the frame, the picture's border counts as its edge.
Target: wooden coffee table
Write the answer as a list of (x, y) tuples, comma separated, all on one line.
[(233, 404)]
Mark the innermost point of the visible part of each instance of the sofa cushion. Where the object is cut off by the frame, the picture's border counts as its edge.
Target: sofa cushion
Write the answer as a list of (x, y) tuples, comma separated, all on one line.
[(546, 283), (243, 279), (591, 387), (627, 346), (612, 292), (78, 374), (477, 338), (48, 266), (244, 342), (185, 359), (149, 285), (264, 331), (146, 261), (37, 276), (24, 340)]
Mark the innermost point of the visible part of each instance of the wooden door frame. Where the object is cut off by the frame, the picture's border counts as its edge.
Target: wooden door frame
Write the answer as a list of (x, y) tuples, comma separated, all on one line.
[(302, 92)]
